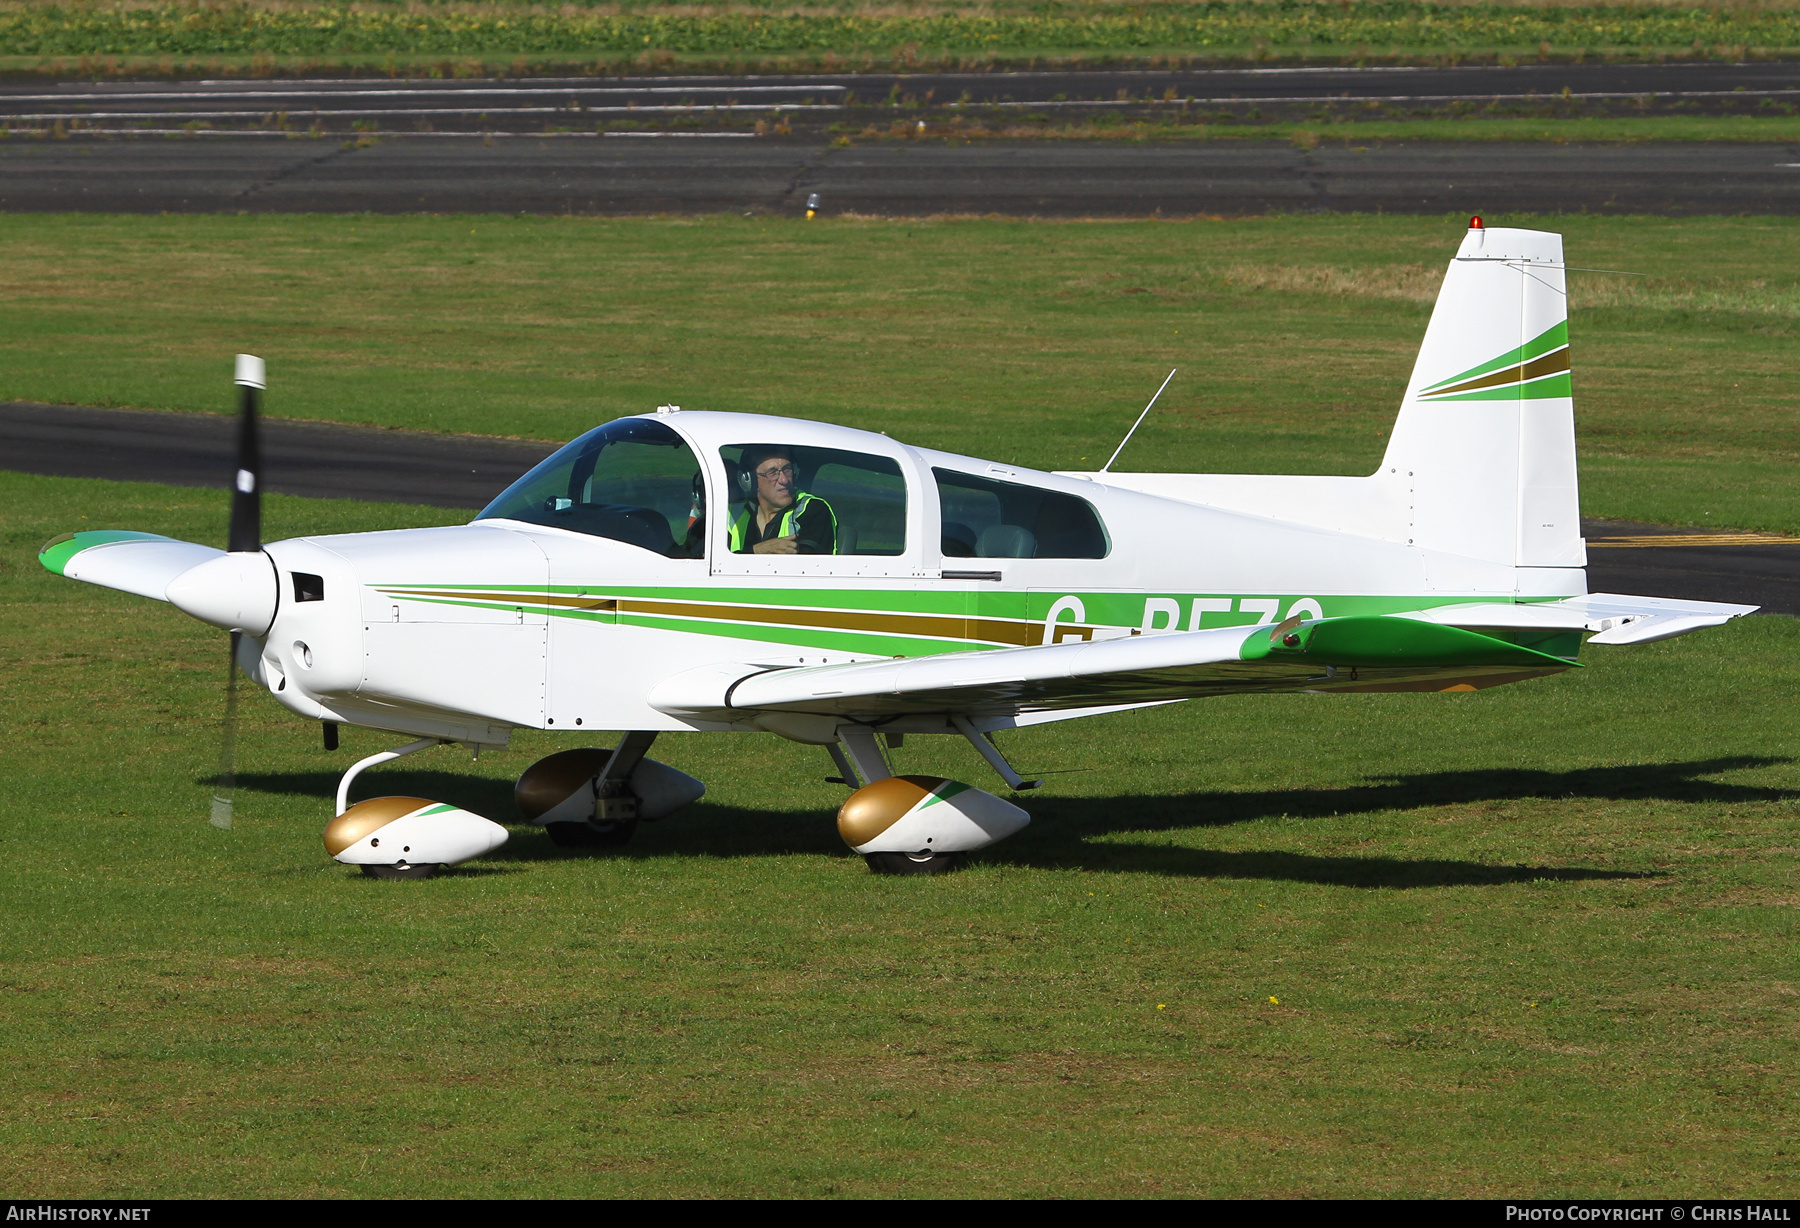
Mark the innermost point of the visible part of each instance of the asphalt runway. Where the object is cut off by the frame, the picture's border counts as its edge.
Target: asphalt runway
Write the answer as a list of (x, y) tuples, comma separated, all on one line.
[(321, 460), (526, 104), (543, 175), (315, 459), (767, 144)]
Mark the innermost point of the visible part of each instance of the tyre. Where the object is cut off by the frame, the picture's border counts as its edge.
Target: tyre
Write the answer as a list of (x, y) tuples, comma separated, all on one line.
[(403, 870), (591, 835), (912, 863)]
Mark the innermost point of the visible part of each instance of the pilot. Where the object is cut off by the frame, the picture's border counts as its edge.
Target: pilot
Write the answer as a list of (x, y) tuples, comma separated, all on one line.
[(778, 517)]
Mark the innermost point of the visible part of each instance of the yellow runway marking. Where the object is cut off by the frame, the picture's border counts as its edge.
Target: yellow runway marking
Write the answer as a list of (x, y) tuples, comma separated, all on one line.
[(1695, 539)]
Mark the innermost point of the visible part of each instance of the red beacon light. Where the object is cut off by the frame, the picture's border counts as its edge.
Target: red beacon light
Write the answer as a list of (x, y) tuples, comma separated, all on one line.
[(1475, 223)]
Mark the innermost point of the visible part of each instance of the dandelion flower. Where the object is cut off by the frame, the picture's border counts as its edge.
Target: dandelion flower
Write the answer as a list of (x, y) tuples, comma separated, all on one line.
[(1274, 1001)]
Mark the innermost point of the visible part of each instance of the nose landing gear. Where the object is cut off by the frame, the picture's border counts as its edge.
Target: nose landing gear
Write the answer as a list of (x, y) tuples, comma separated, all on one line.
[(403, 870)]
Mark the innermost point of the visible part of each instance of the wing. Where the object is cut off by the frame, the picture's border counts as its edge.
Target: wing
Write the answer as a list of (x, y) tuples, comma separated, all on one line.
[(140, 563), (1334, 654)]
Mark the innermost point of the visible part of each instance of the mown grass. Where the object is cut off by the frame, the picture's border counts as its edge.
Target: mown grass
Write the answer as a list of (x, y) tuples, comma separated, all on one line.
[(1032, 342), (1782, 128), (1532, 941), (265, 37), (1328, 131)]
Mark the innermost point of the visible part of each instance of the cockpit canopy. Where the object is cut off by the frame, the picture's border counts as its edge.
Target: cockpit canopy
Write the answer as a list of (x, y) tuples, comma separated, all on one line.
[(633, 480), (638, 481)]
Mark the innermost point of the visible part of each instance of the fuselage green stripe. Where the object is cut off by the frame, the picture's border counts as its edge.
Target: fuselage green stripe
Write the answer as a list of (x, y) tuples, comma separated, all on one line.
[(1111, 613)]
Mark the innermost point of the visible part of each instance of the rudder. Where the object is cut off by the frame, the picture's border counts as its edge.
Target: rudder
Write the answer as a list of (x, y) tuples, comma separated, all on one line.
[(1486, 431)]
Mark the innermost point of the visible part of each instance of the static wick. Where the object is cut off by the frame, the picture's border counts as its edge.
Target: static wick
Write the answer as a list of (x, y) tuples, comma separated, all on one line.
[(1138, 423)]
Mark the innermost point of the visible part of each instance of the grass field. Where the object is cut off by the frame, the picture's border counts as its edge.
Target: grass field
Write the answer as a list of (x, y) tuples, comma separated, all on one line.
[(447, 38), (1537, 940), (1031, 342)]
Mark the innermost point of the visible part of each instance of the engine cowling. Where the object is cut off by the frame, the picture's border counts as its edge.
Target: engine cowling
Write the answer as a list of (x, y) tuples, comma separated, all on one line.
[(926, 814), (409, 832), (556, 789)]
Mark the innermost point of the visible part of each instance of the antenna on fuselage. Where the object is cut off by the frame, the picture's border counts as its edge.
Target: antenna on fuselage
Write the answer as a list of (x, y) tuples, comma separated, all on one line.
[(1138, 423)]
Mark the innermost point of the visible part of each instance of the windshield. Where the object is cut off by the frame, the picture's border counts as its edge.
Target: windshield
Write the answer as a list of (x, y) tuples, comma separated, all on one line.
[(634, 480)]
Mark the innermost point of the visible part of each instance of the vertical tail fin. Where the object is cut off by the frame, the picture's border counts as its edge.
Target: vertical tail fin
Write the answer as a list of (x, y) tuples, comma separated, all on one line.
[(1487, 428)]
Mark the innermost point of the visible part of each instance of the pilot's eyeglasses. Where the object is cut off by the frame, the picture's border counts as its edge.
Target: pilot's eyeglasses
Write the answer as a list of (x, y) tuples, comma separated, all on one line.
[(782, 471)]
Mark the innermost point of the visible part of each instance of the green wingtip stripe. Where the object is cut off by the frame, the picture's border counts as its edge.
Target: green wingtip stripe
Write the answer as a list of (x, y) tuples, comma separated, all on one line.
[(56, 553), (438, 809), (1555, 336)]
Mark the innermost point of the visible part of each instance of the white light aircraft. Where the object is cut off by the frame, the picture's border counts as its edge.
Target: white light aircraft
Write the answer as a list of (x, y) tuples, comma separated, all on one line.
[(900, 591)]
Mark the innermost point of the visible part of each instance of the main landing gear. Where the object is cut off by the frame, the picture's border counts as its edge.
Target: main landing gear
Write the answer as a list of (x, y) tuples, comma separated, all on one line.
[(918, 824), (590, 835), (594, 797), (584, 797), (912, 863)]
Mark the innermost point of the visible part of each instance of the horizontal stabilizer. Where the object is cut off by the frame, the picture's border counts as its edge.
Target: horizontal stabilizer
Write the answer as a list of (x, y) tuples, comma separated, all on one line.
[(1620, 619), (138, 563), (1613, 618)]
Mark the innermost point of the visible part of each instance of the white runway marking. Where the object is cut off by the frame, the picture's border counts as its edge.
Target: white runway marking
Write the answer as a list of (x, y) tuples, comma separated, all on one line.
[(1531, 97), (414, 136), (496, 91), (366, 114)]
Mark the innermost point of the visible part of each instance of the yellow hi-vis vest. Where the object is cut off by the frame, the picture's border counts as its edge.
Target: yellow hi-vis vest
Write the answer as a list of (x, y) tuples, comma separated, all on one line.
[(740, 528)]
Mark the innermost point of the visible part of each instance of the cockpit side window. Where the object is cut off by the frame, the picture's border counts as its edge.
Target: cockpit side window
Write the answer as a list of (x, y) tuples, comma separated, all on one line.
[(985, 518), (634, 481), (826, 500)]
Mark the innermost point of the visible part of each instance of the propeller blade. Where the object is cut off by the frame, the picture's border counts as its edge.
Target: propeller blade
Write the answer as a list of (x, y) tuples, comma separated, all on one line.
[(225, 784), (245, 535), (246, 491)]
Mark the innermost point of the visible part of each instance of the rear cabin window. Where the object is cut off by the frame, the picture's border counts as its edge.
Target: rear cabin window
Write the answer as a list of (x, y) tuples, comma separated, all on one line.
[(830, 501), (989, 519), (634, 480)]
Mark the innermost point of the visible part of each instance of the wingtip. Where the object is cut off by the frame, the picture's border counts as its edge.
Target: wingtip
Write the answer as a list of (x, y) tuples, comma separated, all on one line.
[(56, 553)]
